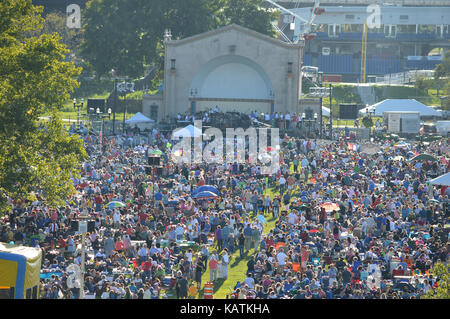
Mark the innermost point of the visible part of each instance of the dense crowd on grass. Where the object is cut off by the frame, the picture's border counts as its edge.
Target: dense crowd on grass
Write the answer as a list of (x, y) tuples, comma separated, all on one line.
[(347, 223)]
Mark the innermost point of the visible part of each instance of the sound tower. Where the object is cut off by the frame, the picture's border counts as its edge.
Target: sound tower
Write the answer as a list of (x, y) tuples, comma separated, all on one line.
[(154, 160)]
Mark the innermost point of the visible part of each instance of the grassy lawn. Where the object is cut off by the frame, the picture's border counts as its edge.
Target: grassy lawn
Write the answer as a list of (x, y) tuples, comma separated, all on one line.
[(237, 267)]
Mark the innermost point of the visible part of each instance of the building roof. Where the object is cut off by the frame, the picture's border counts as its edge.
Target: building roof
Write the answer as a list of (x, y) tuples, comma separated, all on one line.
[(139, 118), (402, 105), (238, 28)]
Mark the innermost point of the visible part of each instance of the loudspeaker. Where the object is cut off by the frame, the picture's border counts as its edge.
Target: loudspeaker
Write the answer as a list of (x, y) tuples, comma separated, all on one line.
[(91, 226), (159, 170), (74, 225), (96, 103), (154, 160), (348, 111)]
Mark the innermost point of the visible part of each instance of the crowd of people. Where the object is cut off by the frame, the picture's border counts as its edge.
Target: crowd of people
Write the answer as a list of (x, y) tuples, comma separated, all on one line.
[(346, 223)]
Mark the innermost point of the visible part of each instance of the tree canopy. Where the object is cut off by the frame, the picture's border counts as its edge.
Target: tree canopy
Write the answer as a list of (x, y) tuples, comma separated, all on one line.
[(127, 35), (443, 290), (35, 159)]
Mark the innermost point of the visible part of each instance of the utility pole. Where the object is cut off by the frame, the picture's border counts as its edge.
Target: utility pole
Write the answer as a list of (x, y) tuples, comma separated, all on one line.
[(331, 112), (320, 118), (114, 106), (83, 228)]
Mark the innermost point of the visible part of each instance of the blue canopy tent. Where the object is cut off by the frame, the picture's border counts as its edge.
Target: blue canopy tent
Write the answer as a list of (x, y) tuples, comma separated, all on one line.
[(205, 188), (204, 195)]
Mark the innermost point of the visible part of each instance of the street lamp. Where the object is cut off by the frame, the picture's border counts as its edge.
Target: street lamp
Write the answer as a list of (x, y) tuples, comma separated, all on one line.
[(83, 228), (315, 123), (320, 92), (78, 107)]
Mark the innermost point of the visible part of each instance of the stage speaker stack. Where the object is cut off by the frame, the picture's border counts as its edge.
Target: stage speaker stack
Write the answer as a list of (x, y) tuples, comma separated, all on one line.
[(154, 166), (154, 160)]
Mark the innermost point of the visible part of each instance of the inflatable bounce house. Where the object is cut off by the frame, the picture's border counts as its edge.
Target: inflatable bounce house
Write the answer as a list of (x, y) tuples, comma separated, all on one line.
[(20, 269)]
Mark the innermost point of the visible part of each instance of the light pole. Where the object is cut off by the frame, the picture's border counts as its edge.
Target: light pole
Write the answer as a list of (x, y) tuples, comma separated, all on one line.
[(320, 92), (78, 107), (331, 111), (82, 227)]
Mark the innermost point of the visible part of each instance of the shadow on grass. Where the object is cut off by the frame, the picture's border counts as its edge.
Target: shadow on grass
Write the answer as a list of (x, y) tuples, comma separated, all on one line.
[(238, 259)]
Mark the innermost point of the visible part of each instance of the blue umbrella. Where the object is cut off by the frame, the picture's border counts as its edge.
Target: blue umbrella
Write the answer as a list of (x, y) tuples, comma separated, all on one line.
[(206, 188), (261, 219), (204, 195), (115, 204)]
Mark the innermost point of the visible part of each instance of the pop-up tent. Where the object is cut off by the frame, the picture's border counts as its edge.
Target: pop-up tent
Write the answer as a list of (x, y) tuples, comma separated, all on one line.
[(205, 188), (443, 180), (20, 268), (400, 105), (140, 120), (188, 131)]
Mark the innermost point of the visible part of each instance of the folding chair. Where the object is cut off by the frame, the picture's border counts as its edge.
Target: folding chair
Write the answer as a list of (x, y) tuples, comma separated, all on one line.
[(296, 267)]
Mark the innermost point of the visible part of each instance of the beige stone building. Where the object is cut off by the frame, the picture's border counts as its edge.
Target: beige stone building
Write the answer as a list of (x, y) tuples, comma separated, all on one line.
[(233, 68)]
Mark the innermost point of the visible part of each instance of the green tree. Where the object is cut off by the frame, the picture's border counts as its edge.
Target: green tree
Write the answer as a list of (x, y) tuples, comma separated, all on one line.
[(250, 14), (34, 158), (442, 71), (440, 271), (127, 35)]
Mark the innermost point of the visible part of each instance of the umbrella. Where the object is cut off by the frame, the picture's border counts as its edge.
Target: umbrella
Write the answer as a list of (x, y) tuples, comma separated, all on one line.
[(398, 158), (158, 152), (205, 188), (401, 144), (261, 219), (204, 195), (424, 157), (115, 204)]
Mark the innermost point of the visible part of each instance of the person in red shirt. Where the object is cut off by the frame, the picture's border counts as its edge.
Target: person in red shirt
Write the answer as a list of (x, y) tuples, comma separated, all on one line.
[(62, 242), (143, 217), (213, 262), (54, 216), (98, 202)]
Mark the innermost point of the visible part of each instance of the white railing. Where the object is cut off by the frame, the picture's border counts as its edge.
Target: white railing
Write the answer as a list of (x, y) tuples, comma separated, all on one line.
[(404, 77)]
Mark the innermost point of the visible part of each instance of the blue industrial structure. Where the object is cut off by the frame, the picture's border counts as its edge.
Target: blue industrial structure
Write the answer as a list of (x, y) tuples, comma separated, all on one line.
[(402, 41)]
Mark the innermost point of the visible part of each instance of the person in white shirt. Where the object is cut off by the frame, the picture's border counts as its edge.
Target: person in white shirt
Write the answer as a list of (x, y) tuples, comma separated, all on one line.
[(143, 253), (116, 218), (281, 258), (249, 281), (292, 217)]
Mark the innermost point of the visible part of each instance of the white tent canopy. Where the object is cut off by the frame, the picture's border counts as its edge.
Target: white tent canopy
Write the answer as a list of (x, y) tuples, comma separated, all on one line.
[(443, 180), (139, 118), (401, 105), (325, 111), (188, 131)]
